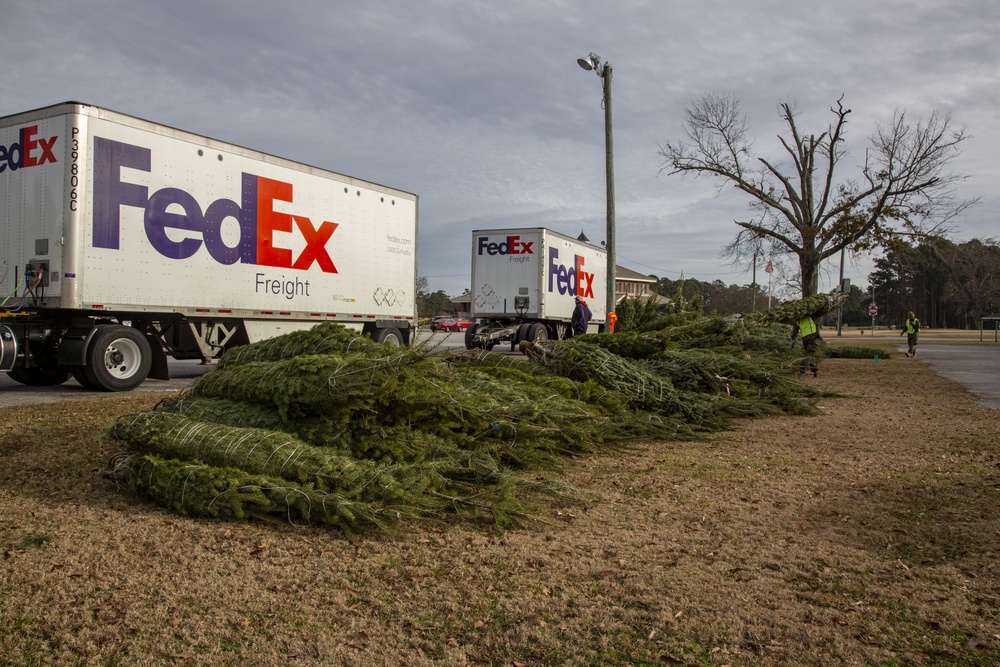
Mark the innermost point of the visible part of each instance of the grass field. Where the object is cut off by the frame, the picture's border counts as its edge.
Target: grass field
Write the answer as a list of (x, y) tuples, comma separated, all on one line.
[(865, 535)]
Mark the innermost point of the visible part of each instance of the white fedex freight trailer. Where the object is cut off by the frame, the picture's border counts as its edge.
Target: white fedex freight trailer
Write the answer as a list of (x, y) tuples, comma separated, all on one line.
[(524, 284), (123, 242)]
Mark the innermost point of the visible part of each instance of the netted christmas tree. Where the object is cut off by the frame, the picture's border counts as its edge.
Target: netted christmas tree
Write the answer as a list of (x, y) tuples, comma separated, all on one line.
[(814, 306), (330, 428)]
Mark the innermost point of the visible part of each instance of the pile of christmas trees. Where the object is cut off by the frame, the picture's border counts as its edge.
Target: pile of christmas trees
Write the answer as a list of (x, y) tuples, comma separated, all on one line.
[(327, 427)]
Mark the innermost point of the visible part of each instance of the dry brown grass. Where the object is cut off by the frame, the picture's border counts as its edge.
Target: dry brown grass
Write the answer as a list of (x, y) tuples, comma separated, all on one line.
[(867, 535)]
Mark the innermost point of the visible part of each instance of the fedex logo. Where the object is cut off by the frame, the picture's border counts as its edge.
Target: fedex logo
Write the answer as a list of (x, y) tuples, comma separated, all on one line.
[(513, 245), (574, 281), (258, 221), (27, 151)]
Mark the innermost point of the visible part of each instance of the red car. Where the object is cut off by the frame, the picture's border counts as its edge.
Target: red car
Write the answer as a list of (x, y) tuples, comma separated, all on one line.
[(449, 324), (438, 322)]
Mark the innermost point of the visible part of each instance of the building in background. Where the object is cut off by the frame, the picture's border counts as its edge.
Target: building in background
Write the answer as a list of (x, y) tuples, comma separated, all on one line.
[(631, 284)]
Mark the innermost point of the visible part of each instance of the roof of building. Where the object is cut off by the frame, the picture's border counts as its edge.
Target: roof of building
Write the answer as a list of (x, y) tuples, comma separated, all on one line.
[(621, 273)]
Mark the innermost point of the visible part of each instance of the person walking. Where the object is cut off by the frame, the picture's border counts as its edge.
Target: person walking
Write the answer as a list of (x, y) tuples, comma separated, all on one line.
[(911, 329), (809, 331)]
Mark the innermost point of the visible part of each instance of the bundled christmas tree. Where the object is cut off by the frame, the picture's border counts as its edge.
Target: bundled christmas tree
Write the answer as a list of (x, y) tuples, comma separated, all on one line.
[(814, 306), (327, 427)]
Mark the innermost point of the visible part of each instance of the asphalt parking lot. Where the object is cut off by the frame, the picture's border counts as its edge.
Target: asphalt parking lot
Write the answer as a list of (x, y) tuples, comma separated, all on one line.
[(976, 367), (182, 374)]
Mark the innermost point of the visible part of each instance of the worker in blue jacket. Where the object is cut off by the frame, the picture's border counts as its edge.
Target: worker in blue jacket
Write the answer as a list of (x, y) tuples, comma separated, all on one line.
[(581, 318)]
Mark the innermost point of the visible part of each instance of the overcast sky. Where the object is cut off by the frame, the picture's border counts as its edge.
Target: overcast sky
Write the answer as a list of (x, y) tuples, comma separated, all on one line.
[(481, 109)]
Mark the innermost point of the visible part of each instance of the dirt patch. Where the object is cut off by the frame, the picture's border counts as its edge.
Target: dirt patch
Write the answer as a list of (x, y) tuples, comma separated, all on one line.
[(866, 535)]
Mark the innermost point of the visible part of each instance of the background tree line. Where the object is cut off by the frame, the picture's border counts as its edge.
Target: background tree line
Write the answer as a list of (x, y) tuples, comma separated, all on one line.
[(947, 284), (432, 304)]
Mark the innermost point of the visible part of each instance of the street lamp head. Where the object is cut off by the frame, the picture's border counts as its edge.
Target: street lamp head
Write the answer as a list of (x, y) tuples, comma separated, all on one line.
[(593, 61)]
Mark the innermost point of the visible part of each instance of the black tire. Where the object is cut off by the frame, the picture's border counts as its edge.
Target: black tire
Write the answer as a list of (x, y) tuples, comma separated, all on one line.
[(39, 376), (522, 334), (468, 337), (538, 332), (80, 375), (118, 359), (389, 336)]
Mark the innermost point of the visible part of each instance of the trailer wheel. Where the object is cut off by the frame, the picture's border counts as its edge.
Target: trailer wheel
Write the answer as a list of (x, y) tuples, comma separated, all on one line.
[(80, 375), (468, 336), (39, 376), (118, 359), (523, 332), (389, 336), (538, 332)]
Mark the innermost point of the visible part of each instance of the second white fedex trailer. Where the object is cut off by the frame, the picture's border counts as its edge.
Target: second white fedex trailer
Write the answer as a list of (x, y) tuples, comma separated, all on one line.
[(524, 284)]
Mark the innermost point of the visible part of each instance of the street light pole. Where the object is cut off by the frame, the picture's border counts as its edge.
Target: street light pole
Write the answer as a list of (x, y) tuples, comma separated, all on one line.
[(840, 309), (593, 62)]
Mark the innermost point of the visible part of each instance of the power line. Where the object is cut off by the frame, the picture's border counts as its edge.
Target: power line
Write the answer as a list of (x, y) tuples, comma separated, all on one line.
[(681, 272)]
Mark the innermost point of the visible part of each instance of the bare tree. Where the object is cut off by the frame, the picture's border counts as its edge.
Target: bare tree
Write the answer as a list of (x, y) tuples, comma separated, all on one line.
[(807, 209)]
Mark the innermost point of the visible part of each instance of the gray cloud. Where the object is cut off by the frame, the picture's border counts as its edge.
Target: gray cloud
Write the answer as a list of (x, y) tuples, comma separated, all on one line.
[(481, 110)]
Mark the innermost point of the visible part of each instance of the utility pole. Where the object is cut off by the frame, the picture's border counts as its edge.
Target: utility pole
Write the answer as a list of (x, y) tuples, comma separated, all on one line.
[(593, 62), (840, 309)]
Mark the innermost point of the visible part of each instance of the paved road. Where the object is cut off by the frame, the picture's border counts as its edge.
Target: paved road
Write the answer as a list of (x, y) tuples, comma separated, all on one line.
[(182, 373), (977, 367)]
